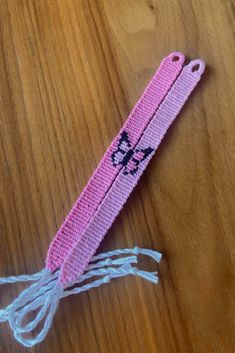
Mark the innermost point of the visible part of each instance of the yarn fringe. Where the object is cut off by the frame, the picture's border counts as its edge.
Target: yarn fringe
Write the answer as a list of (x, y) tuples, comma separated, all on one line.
[(42, 297)]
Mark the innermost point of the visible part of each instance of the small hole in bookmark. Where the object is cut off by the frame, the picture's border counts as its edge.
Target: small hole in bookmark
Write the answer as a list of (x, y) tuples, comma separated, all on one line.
[(175, 58), (195, 68)]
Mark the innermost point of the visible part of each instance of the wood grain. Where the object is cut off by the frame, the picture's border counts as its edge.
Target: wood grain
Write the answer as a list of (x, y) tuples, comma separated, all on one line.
[(70, 71)]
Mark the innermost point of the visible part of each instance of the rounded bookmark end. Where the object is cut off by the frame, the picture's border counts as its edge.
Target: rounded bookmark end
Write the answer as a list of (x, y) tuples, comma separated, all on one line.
[(177, 57), (197, 66)]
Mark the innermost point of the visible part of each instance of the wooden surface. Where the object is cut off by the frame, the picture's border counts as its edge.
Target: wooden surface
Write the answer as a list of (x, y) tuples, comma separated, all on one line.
[(70, 71)]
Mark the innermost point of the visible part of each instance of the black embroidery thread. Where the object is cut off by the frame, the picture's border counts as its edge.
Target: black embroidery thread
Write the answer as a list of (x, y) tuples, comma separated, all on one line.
[(125, 154)]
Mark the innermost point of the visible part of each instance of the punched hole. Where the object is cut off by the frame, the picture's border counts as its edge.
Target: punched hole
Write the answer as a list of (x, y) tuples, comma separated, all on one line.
[(195, 68), (175, 58)]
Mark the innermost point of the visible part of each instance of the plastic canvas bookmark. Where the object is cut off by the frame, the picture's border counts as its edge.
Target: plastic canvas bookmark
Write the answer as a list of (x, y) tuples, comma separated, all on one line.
[(106, 172), (71, 258)]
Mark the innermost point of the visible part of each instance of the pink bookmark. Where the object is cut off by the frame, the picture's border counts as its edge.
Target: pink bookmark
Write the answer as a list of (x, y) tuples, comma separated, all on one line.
[(71, 259), (103, 177)]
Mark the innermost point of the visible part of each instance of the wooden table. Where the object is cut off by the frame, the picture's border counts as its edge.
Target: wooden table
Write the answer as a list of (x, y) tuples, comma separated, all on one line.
[(70, 71)]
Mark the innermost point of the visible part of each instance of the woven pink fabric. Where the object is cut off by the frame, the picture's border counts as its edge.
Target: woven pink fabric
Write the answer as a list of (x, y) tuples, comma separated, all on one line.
[(99, 184), (114, 200)]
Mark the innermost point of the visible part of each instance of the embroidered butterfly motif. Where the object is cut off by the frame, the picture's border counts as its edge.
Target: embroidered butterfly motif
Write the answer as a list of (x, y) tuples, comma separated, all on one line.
[(128, 157)]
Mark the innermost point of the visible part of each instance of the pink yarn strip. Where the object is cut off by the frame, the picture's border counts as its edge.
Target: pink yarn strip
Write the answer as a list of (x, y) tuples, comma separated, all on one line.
[(128, 177), (105, 174)]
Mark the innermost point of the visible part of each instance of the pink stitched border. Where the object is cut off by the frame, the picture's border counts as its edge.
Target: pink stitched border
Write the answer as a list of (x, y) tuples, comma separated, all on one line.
[(116, 197), (103, 177)]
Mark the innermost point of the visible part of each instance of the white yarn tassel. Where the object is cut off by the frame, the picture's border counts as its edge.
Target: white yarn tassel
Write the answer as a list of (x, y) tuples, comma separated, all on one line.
[(44, 295)]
